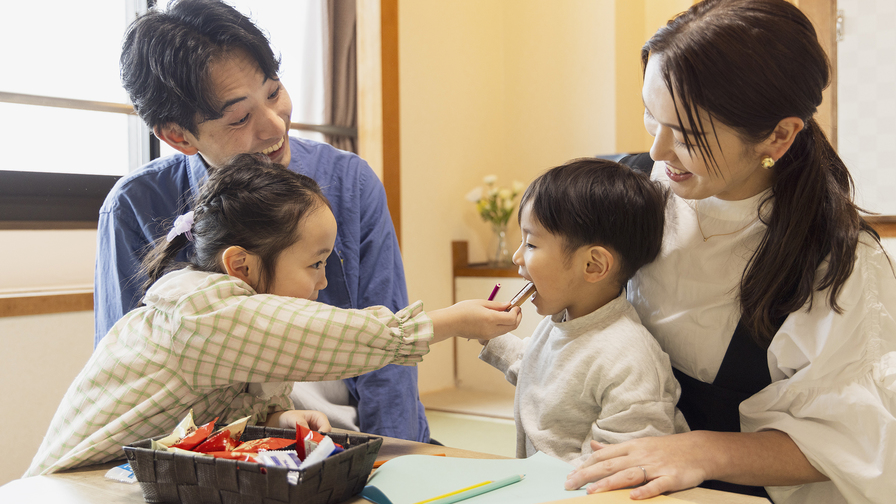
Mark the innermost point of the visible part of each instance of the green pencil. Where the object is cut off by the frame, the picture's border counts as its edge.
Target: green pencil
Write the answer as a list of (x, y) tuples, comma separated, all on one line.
[(479, 490)]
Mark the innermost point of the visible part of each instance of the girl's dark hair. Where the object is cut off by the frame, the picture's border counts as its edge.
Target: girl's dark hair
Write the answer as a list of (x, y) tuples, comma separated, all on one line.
[(249, 202), (599, 202), (749, 64), (167, 55)]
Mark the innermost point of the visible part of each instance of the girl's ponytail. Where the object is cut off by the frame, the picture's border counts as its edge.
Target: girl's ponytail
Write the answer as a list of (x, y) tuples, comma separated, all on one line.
[(162, 258)]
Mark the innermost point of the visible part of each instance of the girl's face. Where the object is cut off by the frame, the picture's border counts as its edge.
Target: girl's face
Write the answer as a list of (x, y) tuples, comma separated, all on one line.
[(543, 260), (300, 269), (738, 174)]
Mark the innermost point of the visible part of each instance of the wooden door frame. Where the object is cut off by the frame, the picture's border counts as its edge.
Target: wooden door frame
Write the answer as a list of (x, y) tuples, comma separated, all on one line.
[(379, 132)]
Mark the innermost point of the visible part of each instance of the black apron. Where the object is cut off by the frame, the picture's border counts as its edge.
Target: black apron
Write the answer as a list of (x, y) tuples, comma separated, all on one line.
[(714, 406)]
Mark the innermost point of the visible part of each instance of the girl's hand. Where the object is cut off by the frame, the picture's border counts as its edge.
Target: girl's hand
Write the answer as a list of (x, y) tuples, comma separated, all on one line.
[(476, 318), (314, 420), (670, 463)]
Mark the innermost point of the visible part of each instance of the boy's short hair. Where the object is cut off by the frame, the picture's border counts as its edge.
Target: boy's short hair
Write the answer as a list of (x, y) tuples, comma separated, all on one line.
[(593, 201), (166, 58)]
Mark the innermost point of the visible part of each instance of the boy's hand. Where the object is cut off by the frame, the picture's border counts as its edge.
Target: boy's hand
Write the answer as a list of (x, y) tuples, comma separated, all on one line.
[(475, 318), (314, 420)]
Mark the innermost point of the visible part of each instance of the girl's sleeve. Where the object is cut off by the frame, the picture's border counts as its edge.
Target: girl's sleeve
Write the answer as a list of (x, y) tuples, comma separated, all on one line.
[(226, 336), (834, 388)]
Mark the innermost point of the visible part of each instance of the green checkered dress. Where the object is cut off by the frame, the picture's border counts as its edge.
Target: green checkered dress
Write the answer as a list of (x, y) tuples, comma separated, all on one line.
[(200, 339)]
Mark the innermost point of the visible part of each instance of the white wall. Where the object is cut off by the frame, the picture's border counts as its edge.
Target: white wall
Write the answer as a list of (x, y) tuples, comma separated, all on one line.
[(511, 88), (41, 354), (866, 104)]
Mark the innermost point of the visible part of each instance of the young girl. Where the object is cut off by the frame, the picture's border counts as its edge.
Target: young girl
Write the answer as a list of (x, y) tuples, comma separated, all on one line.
[(241, 314), (590, 371)]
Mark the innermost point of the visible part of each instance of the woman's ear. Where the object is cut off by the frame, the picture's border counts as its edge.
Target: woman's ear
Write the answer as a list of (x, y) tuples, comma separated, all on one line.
[(239, 263), (176, 137), (782, 137), (599, 263)]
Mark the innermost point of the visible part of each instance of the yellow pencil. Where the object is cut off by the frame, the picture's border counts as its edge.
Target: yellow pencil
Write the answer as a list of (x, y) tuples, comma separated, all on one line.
[(454, 492)]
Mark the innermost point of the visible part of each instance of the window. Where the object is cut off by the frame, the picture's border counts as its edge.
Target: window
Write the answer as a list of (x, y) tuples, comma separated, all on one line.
[(67, 134)]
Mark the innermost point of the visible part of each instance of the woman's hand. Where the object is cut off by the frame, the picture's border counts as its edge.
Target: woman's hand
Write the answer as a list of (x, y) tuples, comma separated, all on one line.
[(670, 463), (476, 318), (314, 420), (680, 461)]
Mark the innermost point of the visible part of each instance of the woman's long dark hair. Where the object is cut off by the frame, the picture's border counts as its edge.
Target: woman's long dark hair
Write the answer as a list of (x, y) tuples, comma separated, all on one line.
[(249, 202), (749, 64)]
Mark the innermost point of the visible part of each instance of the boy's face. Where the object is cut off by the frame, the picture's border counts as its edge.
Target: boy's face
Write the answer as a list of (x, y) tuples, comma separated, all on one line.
[(543, 260), (300, 269), (256, 116)]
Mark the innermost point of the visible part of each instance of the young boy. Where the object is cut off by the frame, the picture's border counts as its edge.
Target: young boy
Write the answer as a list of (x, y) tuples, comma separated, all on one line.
[(590, 371)]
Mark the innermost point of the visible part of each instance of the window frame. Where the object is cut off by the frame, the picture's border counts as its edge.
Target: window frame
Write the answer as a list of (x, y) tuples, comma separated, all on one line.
[(40, 200)]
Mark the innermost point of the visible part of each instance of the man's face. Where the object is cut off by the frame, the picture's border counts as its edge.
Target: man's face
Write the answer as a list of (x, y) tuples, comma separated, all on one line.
[(256, 115)]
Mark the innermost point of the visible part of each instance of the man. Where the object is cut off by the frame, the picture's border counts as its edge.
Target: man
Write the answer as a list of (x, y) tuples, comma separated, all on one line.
[(205, 79)]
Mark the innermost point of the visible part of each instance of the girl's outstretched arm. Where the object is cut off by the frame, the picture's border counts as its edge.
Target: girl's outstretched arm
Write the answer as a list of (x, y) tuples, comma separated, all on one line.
[(681, 461), (475, 318)]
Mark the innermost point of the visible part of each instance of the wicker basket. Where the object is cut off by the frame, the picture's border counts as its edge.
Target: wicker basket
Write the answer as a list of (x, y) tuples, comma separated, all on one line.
[(175, 477)]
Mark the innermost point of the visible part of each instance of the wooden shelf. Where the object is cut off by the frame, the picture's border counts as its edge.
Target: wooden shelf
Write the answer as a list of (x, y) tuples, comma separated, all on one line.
[(885, 225), (463, 268)]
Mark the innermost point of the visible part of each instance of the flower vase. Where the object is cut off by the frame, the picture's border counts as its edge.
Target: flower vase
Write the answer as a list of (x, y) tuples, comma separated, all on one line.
[(500, 255)]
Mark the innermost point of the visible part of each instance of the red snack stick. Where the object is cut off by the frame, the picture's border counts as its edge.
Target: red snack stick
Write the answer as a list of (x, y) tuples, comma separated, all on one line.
[(268, 443), (307, 440), (220, 441), (225, 438), (197, 437)]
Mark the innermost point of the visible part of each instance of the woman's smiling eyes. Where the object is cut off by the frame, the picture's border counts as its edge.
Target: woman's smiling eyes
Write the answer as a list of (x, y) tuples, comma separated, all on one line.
[(319, 264)]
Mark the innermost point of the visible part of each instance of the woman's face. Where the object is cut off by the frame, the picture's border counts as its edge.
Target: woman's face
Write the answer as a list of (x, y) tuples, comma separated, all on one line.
[(738, 174)]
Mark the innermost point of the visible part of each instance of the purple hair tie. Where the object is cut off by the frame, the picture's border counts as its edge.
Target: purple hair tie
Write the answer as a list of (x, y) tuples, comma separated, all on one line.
[(182, 225)]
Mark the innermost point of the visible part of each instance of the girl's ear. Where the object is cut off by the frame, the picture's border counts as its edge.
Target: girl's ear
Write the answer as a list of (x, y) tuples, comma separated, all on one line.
[(599, 264), (176, 137), (239, 263)]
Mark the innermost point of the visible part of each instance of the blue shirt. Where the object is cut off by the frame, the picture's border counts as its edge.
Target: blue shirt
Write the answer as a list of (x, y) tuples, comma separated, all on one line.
[(365, 268)]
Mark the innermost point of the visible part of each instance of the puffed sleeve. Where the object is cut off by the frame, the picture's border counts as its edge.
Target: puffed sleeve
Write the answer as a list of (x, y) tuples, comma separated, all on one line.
[(505, 353), (226, 333), (833, 387)]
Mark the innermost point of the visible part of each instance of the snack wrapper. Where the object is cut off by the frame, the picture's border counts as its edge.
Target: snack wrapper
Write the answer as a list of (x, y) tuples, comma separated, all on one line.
[(307, 440), (225, 439), (196, 437), (183, 429), (263, 444)]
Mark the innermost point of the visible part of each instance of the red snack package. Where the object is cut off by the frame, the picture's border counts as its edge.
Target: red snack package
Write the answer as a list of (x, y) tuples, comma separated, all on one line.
[(196, 437), (307, 440), (257, 445), (225, 439), (221, 441)]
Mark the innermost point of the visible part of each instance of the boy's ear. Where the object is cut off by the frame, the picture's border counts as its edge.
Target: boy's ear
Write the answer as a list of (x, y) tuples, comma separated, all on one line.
[(599, 263), (176, 137), (238, 262)]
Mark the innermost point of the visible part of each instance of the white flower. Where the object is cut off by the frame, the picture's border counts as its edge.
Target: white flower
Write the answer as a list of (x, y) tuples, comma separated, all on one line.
[(475, 195), (508, 205), (505, 194), (490, 179), (517, 186)]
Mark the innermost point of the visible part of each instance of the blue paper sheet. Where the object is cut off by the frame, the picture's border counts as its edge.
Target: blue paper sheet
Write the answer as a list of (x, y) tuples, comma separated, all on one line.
[(413, 478)]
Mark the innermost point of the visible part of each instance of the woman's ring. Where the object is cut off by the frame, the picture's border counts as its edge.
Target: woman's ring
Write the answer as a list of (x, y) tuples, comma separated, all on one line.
[(645, 474)]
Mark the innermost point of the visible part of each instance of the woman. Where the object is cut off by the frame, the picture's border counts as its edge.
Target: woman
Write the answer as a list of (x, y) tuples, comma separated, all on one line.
[(771, 294)]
